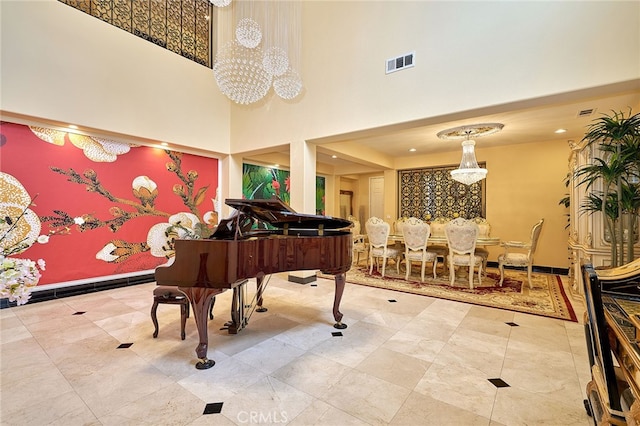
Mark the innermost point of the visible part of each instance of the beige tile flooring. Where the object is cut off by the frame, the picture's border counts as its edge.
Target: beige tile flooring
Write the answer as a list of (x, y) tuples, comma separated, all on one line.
[(415, 361)]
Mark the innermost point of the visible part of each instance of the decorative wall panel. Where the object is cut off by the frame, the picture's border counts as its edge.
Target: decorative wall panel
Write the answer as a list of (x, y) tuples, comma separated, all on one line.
[(430, 192)]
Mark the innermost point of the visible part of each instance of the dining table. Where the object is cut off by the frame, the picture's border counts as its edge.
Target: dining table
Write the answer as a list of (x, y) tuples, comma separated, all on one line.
[(441, 239), (398, 241)]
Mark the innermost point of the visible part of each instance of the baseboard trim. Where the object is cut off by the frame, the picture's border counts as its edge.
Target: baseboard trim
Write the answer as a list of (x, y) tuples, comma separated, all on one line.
[(541, 269), (75, 290)]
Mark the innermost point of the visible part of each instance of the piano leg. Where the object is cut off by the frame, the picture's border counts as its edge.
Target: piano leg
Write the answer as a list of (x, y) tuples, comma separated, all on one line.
[(337, 315), (200, 298), (239, 317), (260, 284)]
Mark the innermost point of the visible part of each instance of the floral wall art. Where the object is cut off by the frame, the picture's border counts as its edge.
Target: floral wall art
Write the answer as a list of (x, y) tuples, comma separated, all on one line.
[(81, 208)]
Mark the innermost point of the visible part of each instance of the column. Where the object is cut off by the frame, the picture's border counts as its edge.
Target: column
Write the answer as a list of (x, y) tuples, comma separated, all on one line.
[(303, 191)]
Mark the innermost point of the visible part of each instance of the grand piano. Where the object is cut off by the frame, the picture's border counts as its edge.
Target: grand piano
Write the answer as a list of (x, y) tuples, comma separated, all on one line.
[(260, 238), (612, 330)]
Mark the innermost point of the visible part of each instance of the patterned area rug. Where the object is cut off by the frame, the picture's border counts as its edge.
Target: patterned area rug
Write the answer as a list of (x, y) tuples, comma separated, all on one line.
[(546, 298)]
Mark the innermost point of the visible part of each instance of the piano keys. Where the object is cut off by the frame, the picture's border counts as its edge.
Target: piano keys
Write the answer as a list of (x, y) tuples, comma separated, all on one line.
[(262, 237)]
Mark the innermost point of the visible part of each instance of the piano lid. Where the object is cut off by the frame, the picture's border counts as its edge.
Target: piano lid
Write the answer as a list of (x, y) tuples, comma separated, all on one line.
[(276, 213)]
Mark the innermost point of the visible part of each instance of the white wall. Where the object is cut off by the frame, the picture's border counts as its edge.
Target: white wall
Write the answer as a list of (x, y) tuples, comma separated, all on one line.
[(468, 55), (60, 64)]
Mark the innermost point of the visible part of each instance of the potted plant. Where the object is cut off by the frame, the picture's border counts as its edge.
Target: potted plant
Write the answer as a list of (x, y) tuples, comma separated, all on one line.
[(617, 174)]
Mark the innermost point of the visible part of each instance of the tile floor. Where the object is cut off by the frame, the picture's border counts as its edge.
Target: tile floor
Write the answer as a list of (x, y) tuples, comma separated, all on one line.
[(403, 360)]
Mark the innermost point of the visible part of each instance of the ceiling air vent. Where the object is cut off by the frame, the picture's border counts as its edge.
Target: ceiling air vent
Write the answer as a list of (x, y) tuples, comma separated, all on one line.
[(400, 62), (586, 112)]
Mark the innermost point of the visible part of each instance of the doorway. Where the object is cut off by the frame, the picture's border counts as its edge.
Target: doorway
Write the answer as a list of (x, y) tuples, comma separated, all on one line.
[(376, 197), (346, 204)]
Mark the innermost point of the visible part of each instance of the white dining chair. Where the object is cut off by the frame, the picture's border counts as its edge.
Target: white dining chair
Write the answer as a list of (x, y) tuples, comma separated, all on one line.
[(378, 234), (520, 259), (360, 245), (415, 233), (437, 230), (484, 231), (461, 236), (398, 224)]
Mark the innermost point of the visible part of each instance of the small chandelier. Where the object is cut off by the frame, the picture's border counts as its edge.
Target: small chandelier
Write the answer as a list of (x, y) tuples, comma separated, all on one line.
[(469, 172), (220, 3)]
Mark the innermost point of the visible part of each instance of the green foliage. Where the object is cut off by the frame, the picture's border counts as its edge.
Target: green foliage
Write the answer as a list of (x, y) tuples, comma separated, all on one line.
[(259, 182), (617, 136), (320, 195)]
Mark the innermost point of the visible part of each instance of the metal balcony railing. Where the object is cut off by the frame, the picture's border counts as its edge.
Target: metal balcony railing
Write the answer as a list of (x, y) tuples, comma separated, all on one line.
[(182, 26)]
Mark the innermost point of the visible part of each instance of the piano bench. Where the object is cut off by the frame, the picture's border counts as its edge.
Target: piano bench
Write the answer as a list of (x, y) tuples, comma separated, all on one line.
[(173, 296)]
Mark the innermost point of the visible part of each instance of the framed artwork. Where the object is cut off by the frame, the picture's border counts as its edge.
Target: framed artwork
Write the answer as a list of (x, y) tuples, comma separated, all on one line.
[(261, 182)]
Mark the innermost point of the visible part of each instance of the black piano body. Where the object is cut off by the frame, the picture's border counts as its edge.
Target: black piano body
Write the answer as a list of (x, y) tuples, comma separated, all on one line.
[(262, 237)]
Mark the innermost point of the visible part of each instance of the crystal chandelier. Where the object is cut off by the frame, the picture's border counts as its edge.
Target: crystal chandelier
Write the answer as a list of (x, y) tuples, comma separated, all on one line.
[(240, 75), (262, 50), (469, 172), (248, 33), (220, 3)]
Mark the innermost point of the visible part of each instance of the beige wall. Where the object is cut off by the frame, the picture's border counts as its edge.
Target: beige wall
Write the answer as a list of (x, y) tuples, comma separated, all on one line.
[(525, 183), (59, 64)]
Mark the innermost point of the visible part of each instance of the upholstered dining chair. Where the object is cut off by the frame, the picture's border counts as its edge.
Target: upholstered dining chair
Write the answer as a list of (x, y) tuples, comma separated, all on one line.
[(437, 230), (415, 233), (378, 234), (360, 245), (398, 224), (461, 236), (524, 258), (484, 230)]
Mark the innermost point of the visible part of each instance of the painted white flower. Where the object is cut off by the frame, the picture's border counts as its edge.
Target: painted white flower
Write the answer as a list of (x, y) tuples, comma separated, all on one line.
[(105, 253), (210, 218), (43, 239), (78, 220), (144, 182), (161, 235)]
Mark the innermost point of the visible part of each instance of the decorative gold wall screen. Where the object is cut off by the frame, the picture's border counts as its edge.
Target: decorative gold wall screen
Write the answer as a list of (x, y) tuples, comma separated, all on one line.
[(429, 193), (182, 26)]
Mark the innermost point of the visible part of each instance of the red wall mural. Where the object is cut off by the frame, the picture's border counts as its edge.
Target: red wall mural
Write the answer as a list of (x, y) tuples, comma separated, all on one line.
[(93, 208)]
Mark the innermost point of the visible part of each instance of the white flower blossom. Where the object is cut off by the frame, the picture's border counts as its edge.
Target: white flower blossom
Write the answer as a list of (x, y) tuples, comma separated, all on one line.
[(43, 239), (78, 220), (144, 182), (18, 277), (105, 253), (161, 235)]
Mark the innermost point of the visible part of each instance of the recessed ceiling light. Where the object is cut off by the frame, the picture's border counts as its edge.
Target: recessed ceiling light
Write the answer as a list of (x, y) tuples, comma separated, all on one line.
[(73, 126), (164, 144), (276, 166), (334, 156), (560, 130), (412, 150)]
